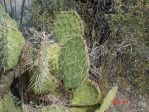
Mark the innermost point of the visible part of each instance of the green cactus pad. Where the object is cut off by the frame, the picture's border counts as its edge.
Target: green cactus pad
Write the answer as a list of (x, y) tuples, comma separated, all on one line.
[(9, 104), (4, 17), (67, 25), (40, 78), (43, 85), (53, 53), (11, 45), (108, 99), (87, 93), (26, 58), (74, 62), (53, 109)]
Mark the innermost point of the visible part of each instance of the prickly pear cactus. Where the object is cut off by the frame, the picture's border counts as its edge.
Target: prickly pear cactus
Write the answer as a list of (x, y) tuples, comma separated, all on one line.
[(53, 108), (41, 80), (87, 93), (74, 62), (11, 45), (67, 25), (53, 53), (108, 99)]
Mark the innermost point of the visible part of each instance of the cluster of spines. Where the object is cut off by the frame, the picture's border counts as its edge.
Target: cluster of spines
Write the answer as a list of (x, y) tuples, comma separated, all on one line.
[(41, 81)]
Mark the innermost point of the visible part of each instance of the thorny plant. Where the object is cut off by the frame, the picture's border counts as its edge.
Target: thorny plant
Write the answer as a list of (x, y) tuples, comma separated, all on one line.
[(117, 42), (73, 66)]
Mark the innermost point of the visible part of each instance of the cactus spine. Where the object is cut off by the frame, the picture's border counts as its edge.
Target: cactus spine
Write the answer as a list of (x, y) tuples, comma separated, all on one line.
[(41, 79)]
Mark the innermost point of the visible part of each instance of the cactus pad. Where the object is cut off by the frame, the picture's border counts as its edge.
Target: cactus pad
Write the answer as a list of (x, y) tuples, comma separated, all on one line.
[(87, 94), (40, 78), (67, 25), (11, 45), (108, 99), (74, 62), (4, 17), (42, 84), (9, 104)]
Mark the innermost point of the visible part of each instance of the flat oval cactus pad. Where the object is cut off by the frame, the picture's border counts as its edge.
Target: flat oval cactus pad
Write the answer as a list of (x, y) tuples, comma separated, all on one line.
[(74, 62), (67, 25), (87, 93)]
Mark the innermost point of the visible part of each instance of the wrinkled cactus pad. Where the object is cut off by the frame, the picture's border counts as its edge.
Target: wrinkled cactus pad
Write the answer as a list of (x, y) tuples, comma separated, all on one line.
[(87, 93), (67, 25), (74, 62)]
